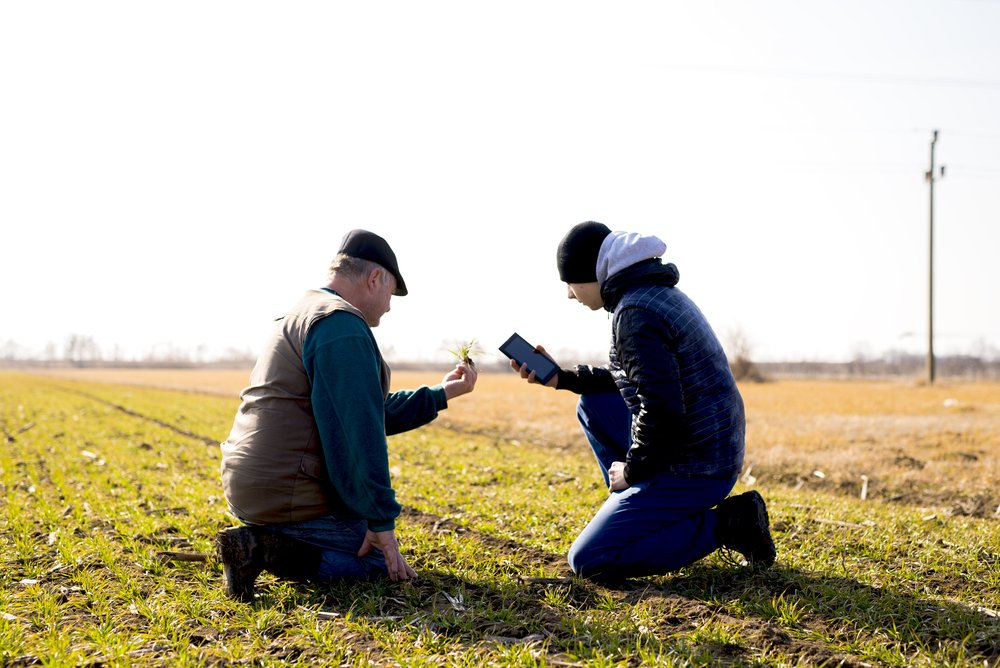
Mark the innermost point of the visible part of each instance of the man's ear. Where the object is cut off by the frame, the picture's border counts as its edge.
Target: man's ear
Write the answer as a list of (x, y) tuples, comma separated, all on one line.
[(374, 278)]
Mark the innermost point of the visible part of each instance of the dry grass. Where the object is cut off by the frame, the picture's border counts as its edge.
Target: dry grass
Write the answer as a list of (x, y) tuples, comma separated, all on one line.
[(933, 446), (209, 381)]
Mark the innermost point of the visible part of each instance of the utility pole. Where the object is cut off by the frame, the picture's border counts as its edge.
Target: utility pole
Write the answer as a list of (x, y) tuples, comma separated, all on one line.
[(930, 286)]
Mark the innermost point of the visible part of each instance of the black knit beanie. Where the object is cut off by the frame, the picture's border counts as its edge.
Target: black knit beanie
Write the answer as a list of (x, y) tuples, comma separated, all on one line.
[(577, 253)]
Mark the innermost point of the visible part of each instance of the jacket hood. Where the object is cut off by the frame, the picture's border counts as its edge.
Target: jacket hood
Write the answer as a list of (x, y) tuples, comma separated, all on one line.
[(621, 250)]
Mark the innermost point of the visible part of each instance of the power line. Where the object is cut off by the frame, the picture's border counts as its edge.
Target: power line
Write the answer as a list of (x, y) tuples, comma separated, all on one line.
[(969, 133), (858, 77)]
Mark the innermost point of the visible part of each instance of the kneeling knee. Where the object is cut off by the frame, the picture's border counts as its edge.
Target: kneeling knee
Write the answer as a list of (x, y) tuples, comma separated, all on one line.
[(591, 564)]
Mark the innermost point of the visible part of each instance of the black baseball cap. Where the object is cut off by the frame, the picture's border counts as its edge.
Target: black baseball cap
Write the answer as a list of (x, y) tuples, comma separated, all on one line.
[(370, 246)]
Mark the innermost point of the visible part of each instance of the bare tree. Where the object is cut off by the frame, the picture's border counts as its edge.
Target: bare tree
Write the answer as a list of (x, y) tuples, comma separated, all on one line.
[(740, 357), (81, 350)]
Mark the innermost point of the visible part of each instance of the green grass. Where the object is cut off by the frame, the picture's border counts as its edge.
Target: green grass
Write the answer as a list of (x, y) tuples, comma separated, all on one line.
[(94, 495)]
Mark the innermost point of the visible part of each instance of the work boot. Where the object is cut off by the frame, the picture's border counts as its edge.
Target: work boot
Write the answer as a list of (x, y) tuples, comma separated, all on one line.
[(247, 550), (289, 558), (743, 526), (242, 560)]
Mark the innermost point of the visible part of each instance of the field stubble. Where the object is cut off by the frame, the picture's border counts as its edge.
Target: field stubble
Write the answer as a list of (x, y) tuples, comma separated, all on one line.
[(103, 482), (936, 446)]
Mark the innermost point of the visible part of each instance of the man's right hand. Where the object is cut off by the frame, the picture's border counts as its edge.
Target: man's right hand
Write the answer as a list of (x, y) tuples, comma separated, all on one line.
[(460, 380), (396, 566), (522, 369)]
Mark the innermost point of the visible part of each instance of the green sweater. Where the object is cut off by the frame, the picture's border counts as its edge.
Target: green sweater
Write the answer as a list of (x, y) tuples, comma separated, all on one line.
[(343, 363)]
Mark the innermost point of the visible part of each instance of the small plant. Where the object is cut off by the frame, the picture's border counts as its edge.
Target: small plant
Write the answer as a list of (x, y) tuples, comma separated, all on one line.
[(465, 351)]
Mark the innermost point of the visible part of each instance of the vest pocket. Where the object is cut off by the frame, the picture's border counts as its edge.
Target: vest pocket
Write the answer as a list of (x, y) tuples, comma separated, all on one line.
[(311, 466)]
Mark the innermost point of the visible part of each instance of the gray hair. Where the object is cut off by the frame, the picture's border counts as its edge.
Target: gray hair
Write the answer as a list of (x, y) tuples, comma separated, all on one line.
[(355, 268)]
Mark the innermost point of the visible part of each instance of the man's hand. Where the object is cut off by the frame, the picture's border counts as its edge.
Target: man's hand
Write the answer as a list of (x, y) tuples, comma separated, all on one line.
[(461, 380), (522, 369), (616, 476), (394, 563)]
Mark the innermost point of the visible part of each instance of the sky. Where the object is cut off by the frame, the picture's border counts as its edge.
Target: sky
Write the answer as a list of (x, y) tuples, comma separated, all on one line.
[(173, 176)]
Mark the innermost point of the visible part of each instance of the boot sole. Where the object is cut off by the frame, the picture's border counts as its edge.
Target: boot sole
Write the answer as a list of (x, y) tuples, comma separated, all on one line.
[(764, 521)]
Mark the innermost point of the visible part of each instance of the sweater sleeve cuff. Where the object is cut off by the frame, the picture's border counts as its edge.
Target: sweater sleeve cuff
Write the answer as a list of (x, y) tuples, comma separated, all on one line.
[(568, 381), (440, 398), (633, 474), (381, 525)]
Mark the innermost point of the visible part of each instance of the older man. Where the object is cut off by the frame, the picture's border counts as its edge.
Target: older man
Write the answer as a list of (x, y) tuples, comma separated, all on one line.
[(305, 467)]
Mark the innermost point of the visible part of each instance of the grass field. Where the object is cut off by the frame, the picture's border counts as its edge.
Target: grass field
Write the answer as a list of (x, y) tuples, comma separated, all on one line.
[(882, 496)]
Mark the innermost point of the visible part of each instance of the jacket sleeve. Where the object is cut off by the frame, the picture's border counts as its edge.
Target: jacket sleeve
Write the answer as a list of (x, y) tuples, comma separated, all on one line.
[(409, 409), (586, 379), (646, 352), (343, 363)]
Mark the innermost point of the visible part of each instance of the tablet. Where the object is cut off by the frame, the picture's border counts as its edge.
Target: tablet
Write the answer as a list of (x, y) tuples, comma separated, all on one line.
[(523, 352)]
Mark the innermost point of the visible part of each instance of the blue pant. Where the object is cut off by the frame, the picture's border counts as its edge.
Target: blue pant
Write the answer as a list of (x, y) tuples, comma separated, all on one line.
[(653, 527), (339, 539)]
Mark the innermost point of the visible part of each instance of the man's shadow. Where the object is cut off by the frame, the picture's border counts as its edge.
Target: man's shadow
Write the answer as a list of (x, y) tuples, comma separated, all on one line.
[(786, 606), (781, 609)]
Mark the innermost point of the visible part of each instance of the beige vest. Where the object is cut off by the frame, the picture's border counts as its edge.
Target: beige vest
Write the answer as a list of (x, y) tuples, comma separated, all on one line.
[(272, 462)]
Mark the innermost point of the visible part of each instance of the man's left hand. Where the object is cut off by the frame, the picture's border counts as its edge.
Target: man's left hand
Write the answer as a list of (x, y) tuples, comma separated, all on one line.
[(616, 476), (395, 565)]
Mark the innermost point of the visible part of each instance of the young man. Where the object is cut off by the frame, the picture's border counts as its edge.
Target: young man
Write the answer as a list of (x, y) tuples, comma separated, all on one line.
[(665, 418), (305, 466)]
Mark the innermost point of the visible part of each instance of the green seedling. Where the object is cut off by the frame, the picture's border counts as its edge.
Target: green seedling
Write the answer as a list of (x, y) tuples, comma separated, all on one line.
[(465, 352)]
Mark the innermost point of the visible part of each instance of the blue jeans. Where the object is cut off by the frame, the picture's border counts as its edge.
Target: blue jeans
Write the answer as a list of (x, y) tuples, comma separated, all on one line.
[(653, 527), (339, 539)]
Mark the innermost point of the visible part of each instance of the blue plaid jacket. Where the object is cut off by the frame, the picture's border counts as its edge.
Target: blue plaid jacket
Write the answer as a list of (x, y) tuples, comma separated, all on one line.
[(687, 413)]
